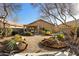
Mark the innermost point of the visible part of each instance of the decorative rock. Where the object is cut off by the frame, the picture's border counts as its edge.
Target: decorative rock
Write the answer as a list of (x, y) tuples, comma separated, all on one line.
[(21, 46), (66, 53), (17, 55), (60, 54)]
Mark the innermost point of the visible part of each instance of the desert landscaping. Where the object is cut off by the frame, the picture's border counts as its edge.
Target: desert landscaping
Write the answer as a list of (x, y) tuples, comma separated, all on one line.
[(42, 29)]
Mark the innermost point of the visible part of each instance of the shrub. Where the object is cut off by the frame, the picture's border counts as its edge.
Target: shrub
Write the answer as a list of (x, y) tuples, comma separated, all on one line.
[(18, 38), (51, 38), (9, 31), (29, 34), (60, 36), (47, 33), (14, 32)]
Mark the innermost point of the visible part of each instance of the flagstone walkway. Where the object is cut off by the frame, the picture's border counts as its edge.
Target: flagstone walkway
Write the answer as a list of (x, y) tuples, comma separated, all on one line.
[(33, 43)]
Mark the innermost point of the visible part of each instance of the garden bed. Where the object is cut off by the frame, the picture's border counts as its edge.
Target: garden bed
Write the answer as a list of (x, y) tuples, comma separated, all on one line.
[(13, 45), (56, 41), (53, 44)]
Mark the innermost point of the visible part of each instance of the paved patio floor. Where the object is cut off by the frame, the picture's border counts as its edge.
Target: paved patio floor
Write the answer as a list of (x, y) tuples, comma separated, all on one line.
[(33, 43)]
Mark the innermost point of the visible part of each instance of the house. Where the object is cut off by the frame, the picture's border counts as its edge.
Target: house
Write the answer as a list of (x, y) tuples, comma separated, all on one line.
[(14, 25), (9, 24), (38, 24)]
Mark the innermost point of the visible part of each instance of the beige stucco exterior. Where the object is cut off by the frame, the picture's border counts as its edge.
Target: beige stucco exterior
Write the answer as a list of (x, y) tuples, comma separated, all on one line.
[(42, 24)]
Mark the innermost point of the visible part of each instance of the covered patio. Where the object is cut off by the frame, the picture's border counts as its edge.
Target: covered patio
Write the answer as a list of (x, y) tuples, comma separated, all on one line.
[(33, 29)]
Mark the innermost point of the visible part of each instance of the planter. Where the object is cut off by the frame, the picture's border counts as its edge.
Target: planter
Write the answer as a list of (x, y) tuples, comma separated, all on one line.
[(19, 48), (53, 44)]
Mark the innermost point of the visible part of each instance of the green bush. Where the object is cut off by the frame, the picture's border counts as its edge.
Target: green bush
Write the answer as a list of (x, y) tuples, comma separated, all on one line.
[(18, 38), (29, 34), (60, 36), (51, 38), (46, 32), (9, 31), (14, 32)]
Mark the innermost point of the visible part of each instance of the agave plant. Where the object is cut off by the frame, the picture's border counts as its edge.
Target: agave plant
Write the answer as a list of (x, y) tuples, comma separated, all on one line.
[(10, 45)]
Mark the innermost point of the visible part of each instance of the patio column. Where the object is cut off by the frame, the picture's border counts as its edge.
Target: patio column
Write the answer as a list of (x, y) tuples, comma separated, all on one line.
[(38, 28)]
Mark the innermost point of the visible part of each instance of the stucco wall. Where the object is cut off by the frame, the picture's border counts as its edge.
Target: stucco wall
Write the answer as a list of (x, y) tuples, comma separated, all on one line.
[(41, 23)]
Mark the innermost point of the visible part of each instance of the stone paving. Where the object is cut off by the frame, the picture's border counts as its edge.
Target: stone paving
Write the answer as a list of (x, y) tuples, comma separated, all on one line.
[(33, 44)]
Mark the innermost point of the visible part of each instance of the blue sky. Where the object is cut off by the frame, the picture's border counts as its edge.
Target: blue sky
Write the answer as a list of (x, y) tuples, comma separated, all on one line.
[(28, 14)]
